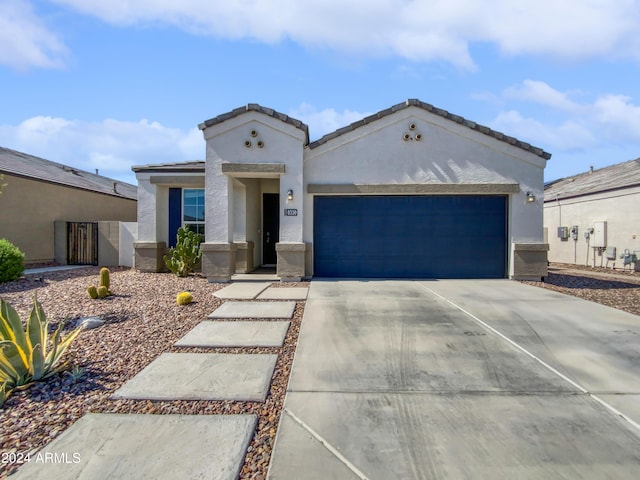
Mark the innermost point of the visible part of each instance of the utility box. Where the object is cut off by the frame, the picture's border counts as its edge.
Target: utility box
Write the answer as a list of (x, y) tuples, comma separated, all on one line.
[(599, 236), (563, 233)]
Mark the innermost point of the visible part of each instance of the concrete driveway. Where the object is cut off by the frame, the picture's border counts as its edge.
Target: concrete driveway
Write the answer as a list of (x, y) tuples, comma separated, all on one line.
[(460, 379)]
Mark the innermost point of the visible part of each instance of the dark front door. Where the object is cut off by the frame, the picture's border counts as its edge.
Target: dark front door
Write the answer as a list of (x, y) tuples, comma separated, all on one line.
[(270, 227)]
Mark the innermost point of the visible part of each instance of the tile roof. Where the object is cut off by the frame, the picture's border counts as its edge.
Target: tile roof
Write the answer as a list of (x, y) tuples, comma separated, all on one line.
[(254, 107), (175, 167), (613, 177), (412, 102), (29, 166)]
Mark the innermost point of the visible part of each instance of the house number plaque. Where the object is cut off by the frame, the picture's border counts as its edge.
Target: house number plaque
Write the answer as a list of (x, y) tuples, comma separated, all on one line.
[(290, 212)]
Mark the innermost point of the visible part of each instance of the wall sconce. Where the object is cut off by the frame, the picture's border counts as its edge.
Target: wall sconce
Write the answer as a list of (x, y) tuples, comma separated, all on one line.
[(290, 195), (531, 197)]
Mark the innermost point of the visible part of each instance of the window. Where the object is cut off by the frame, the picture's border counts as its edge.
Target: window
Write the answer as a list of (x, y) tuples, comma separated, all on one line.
[(193, 209)]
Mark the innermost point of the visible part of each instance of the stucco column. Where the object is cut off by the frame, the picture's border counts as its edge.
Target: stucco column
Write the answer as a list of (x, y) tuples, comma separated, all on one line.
[(530, 261), (148, 247), (218, 250), (291, 261)]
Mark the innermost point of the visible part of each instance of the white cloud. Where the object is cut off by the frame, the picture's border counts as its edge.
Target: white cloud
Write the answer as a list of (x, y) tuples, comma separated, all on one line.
[(25, 41), (570, 125), (620, 117), (540, 92), (112, 146), (325, 121), (419, 30), (567, 136)]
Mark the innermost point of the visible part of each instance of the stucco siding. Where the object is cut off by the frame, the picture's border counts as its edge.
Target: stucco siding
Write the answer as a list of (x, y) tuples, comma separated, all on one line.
[(447, 153), (617, 208), (280, 144), (29, 209)]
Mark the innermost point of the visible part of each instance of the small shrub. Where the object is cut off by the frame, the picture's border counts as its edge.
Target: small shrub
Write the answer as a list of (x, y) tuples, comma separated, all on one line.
[(11, 261), (25, 355), (184, 298), (185, 255)]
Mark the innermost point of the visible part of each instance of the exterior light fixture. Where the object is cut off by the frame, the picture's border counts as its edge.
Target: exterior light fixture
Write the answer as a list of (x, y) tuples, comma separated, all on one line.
[(531, 197), (290, 194)]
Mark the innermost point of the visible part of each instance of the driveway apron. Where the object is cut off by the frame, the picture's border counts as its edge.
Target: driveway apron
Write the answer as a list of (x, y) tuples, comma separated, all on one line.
[(459, 379)]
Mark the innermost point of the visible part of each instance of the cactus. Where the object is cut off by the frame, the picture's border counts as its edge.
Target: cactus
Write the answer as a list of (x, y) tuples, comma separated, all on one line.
[(184, 298), (104, 277), (184, 256), (102, 292)]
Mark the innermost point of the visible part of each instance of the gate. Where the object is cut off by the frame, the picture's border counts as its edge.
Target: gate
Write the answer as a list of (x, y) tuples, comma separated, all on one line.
[(82, 243)]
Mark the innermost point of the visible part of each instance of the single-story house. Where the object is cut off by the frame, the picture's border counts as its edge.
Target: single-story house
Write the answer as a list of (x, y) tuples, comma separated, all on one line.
[(53, 212), (409, 192), (589, 218)]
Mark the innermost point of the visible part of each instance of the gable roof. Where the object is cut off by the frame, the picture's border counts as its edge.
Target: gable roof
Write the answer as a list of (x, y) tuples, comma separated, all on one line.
[(613, 177), (412, 102), (193, 166), (254, 107), (28, 166)]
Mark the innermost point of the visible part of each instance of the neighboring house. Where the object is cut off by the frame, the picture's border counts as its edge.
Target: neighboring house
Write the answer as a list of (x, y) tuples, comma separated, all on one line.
[(44, 202), (409, 192), (590, 218)]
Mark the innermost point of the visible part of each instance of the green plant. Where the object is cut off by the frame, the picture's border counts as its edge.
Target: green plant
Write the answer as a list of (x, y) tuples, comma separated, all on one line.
[(184, 298), (76, 373), (25, 355), (11, 261), (4, 394), (92, 291), (104, 277), (186, 254), (102, 291)]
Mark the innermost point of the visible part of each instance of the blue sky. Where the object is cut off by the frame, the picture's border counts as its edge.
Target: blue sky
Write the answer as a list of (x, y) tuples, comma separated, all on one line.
[(107, 85)]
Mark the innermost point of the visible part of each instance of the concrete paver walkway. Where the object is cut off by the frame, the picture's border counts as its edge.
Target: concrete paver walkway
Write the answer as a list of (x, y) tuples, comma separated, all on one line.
[(291, 293), (145, 447), (202, 376), (105, 446), (235, 334), (458, 379), (242, 290), (254, 310)]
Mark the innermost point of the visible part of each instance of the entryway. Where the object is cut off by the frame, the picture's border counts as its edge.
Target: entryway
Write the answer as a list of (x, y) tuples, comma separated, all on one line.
[(270, 227)]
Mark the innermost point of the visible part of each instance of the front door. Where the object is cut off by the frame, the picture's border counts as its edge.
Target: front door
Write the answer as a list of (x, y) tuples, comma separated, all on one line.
[(270, 227)]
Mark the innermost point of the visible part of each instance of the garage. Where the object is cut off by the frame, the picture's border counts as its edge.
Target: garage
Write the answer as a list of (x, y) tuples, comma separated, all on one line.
[(410, 236)]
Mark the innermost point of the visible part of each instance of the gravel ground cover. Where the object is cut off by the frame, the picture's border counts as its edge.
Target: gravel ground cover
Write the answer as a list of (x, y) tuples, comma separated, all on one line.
[(142, 321), (616, 289)]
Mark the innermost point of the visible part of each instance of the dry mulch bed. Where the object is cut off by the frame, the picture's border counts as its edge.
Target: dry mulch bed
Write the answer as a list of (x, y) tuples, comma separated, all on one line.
[(142, 321), (619, 289)]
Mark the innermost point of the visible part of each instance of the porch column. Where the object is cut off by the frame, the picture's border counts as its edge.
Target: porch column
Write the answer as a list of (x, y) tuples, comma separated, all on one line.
[(148, 249), (218, 250)]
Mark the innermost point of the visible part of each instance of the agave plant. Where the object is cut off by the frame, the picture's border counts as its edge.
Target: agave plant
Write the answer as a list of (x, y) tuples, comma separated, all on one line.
[(29, 355)]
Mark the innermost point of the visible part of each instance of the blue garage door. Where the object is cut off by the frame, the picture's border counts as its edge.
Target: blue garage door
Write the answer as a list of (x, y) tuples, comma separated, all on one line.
[(440, 236)]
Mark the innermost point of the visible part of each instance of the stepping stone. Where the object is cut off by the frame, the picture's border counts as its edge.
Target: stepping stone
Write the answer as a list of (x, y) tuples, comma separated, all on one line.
[(292, 293), (202, 376), (242, 290), (101, 446), (254, 310), (235, 334)]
